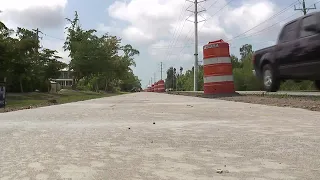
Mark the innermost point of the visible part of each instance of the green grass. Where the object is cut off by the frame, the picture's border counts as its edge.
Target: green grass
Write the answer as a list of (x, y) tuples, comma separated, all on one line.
[(16, 101)]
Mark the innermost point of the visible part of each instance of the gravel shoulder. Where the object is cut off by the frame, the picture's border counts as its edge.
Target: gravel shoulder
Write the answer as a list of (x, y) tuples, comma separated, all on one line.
[(305, 102)]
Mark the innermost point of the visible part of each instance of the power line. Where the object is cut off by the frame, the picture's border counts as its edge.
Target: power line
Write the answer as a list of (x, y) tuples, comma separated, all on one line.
[(273, 16), (203, 25), (212, 4), (250, 35), (182, 13)]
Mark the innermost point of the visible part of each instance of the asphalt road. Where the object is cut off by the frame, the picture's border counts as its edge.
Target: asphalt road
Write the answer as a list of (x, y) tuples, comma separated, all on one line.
[(191, 138)]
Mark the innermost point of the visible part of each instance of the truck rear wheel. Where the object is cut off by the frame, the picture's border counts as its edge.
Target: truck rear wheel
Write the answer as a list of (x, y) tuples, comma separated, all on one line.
[(317, 84), (270, 82)]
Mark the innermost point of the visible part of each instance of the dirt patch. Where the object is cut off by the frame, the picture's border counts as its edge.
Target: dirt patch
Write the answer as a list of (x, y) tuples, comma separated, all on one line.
[(309, 103)]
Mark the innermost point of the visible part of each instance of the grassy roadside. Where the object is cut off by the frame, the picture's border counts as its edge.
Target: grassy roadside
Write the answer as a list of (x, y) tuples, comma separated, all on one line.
[(19, 101)]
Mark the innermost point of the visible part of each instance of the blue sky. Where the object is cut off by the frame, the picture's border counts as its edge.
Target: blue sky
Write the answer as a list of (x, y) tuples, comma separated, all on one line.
[(157, 28)]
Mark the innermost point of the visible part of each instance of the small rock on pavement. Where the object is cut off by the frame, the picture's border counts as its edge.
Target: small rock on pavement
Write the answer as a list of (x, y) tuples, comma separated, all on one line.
[(220, 171), (129, 128), (154, 123)]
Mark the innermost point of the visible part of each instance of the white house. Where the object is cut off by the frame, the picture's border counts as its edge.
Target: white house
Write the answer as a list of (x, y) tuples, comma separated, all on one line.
[(65, 79)]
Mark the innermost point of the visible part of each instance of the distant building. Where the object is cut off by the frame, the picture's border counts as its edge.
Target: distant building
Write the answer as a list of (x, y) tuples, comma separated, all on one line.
[(65, 79)]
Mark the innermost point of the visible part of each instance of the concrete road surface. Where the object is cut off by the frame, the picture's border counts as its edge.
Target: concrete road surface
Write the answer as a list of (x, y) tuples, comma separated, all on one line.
[(191, 139)]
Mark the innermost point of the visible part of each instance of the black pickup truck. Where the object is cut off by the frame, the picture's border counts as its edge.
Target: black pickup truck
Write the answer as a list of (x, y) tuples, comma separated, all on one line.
[(296, 55)]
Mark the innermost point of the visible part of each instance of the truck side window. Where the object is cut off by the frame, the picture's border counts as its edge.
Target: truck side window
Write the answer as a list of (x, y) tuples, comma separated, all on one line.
[(288, 32), (306, 22)]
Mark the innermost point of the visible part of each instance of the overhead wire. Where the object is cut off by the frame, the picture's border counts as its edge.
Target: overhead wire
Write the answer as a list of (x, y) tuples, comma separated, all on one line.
[(269, 27), (172, 43), (273, 16), (202, 26)]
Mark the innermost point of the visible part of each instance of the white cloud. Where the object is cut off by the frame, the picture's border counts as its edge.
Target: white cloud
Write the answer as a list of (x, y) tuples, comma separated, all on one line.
[(154, 22), (33, 13), (148, 19), (22, 5), (159, 26), (249, 14), (45, 15), (135, 34)]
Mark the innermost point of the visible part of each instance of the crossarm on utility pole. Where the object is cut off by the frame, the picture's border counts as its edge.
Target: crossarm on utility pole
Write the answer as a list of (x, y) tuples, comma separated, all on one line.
[(304, 9)]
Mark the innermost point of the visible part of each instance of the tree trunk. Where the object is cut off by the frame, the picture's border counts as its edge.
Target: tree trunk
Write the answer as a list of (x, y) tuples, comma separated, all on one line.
[(49, 85), (21, 86), (106, 85), (97, 86)]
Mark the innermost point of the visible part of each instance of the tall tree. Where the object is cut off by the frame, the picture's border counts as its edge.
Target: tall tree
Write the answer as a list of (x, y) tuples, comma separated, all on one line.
[(245, 50), (96, 60)]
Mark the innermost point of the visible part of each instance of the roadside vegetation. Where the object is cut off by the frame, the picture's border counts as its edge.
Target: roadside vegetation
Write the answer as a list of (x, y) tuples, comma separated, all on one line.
[(98, 63), (19, 101), (244, 80)]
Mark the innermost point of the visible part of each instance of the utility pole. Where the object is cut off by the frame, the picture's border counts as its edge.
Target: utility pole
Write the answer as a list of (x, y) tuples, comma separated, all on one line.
[(172, 78), (304, 9), (196, 12), (161, 70), (37, 31)]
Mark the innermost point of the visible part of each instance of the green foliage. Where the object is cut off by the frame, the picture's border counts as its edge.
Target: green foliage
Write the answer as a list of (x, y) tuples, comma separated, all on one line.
[(96, 62), (185, 81), (244, 78), (26, 66)]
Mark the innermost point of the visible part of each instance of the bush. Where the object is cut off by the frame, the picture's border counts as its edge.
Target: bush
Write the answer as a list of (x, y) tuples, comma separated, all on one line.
[(244, 79), (291, 85)]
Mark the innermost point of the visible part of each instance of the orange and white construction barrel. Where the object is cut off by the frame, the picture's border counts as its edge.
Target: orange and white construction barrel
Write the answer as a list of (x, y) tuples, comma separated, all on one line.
[(161, 86), (156, 87), (217, 67)]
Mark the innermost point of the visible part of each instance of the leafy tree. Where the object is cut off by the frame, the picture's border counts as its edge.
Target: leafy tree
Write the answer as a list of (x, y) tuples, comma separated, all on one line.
[(171, 79), (96, 60), (236, 63), (185, 81), (245, 51)]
